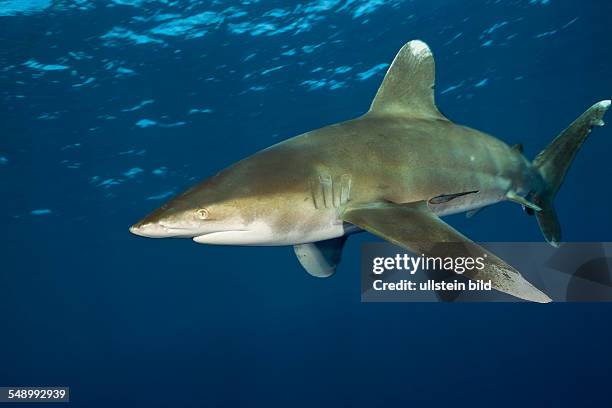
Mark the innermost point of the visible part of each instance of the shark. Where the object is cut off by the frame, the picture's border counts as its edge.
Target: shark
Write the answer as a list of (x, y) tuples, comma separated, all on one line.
[(394, 172)]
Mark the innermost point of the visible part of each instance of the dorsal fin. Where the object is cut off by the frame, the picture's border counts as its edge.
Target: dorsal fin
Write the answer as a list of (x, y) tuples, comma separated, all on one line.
[(407, 89)]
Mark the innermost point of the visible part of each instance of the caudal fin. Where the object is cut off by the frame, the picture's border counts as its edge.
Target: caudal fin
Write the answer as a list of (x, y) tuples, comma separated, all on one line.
[(554, 161)]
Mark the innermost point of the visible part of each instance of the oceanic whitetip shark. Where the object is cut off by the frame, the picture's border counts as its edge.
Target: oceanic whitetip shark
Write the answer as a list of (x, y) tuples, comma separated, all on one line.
[(393, 172)]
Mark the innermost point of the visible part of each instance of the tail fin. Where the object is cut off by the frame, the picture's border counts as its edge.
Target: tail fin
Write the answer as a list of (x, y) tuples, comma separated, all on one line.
[(554, 161)]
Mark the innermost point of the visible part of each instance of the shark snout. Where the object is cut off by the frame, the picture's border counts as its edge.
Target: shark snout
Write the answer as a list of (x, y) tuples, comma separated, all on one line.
[(153, 228), (164, 222), (150, 230)]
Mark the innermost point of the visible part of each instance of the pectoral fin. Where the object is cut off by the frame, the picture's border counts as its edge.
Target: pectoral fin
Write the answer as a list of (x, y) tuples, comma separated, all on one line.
[(320, 258), (415, 227)]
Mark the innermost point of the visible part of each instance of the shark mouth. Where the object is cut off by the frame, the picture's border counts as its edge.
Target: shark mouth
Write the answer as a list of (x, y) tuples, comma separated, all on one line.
[(226, 237)]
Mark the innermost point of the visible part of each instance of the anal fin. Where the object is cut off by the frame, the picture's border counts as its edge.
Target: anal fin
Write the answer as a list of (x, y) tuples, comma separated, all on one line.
[(512, 196)]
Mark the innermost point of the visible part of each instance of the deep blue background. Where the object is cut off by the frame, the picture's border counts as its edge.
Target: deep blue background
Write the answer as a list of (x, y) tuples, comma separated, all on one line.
[(126, 321)]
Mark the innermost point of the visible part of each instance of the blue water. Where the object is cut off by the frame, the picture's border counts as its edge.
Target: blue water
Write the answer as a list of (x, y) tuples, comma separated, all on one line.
[(109, 108)]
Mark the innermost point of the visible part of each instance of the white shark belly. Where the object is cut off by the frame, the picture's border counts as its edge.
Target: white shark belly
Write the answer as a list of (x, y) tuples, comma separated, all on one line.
[(457, 209), (262, 234)]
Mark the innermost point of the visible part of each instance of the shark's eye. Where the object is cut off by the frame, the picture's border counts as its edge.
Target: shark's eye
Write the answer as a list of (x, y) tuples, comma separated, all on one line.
[(202, 213)]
